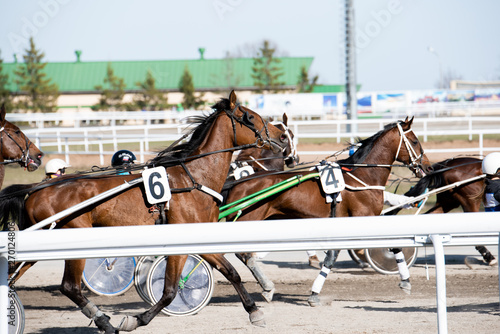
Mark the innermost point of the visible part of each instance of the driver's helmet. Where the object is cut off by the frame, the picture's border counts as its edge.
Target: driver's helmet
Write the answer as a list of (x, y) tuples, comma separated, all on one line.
[(491, 164), (122, 157), (54, 165)]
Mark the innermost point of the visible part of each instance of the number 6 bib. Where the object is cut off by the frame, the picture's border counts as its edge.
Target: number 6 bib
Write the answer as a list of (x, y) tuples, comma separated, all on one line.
[(156, 185)]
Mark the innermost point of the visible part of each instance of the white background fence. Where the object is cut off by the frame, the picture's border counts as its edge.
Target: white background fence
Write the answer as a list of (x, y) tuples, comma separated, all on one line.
[(105, 140), (303, 234)]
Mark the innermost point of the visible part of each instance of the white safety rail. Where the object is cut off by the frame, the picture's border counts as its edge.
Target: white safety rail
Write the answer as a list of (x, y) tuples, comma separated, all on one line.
[(303, 234), (99, 139)]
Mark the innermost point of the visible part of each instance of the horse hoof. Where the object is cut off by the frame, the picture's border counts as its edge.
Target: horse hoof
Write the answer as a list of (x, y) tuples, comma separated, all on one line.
[(313, 300), (128, 324), (405, 286), (257, 318), (103, 324), (268, 295), (493, 262)]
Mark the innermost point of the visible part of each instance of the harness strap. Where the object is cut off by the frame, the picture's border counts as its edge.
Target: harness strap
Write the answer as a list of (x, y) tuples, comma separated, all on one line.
[(365, 186)]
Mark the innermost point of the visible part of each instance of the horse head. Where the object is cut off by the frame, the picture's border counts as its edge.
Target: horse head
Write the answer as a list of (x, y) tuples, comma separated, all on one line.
[(290, 154), (16, 147), (252, 128), (410, 150)]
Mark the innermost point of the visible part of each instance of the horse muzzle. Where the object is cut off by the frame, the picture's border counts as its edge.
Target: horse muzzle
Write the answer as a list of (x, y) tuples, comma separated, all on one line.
[(32, 163)]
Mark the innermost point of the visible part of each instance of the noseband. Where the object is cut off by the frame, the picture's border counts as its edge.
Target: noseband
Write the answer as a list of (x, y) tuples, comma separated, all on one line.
[(25, 152), (415, 160)]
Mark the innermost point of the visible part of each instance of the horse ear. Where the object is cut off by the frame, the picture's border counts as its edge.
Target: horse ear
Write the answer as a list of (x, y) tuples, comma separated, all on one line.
[(285, 119), (232, 100), (2, 112), (410, 121)]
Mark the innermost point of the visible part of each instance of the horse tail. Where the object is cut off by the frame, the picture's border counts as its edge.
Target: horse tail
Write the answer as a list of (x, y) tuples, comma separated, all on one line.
[(12, 206)]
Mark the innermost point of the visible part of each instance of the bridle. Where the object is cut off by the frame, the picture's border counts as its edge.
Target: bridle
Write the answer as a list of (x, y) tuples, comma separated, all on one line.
[(246, 121), (24, 159), (415, 160), (293, 148)]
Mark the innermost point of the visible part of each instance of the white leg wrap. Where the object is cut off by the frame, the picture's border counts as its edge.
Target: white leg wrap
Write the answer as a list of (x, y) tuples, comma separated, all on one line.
[(404, 273), (128, 324), (311, 253), (91, 311), (320, 280)]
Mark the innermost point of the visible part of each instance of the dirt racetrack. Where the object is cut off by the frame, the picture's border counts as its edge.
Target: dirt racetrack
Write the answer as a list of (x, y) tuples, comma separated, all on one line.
[(354, 300)]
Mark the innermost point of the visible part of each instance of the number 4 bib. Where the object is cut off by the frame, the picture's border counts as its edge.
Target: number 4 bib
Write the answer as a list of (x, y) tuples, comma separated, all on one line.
[(331, 178)]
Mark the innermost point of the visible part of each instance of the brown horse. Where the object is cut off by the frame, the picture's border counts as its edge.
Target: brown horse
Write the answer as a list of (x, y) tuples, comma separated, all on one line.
[(197, 171), (467, 196), (15, 147), (363, 195)]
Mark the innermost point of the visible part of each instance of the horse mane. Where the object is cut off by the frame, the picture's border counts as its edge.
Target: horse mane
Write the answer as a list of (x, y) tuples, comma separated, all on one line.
[(366, 145), (203, 123)]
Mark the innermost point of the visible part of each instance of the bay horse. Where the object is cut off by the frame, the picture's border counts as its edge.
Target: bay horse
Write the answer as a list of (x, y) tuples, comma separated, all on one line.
[(468, 196), (197, 170), (363, 195), (15, 147)]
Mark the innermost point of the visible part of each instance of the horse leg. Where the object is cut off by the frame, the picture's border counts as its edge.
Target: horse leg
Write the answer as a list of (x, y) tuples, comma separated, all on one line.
[(487, 256), (219, 262), (404, 273), (19, 271), (250, 260), (328, 262), (71, 288), (173, 271)]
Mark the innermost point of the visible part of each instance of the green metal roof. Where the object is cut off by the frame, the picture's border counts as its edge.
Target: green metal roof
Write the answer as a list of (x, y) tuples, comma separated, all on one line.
[(208, 74), (332, 88)]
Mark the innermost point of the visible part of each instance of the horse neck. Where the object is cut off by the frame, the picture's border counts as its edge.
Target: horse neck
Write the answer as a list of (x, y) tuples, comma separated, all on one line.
[(211, 170), (383, 153)]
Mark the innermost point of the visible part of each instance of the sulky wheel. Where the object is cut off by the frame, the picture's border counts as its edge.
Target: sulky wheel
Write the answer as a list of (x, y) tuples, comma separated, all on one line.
[(15, 314), (383, 260), (195, 287), (110, 276), (144, 264)]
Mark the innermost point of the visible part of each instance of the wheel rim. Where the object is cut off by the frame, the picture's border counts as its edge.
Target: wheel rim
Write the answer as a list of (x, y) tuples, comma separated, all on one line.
[(195, 294), (383, 260)]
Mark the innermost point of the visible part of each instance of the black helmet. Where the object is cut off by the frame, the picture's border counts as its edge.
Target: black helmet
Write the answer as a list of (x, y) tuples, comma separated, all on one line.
[(122, 157)]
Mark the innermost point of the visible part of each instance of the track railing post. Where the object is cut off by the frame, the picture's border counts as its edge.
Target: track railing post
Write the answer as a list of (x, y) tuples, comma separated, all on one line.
[(437, 243)]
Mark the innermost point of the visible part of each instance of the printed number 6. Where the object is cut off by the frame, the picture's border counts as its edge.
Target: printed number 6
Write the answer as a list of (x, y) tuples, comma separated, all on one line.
[(154, 186)]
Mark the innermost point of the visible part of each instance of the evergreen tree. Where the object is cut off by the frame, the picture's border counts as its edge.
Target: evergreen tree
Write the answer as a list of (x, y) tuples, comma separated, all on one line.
[(266, 70), (305, 85), (186, 86), (150, 98), (5, 94), (111, 93), (39, 93)]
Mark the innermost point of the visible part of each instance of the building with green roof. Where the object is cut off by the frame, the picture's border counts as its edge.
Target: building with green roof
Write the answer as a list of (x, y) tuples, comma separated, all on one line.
[(77, 80), (208, 74)]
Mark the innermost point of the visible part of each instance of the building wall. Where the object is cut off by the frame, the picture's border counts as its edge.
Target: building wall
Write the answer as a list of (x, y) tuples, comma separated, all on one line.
[(82, 102)]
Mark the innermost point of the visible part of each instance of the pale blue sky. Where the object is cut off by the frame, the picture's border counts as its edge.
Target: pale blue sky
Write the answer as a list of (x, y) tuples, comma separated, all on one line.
[(393, 36)]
